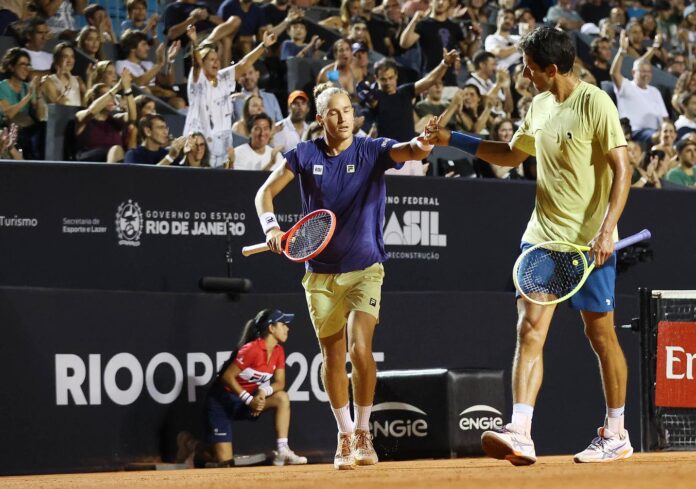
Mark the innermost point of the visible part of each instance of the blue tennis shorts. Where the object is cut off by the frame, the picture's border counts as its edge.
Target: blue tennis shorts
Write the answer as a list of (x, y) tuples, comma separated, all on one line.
[(222, 407), (597, 293)]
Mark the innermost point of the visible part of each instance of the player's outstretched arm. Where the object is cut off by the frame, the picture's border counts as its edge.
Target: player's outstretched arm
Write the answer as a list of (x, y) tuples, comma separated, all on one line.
[(416, 149), (496, 152)]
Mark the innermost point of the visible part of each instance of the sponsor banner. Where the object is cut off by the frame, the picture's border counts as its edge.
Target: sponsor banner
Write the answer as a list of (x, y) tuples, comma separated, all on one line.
[(676, 357), (409, 414), (162, 229)]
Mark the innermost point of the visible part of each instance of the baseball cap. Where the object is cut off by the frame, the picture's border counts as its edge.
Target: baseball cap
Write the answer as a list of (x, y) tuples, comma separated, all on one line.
[(683, 143), (689, 10), (359, 46), (297, 93), (280, 316)]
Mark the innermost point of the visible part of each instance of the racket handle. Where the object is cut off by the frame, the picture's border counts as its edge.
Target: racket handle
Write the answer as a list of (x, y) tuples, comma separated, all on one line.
[(253, 249), (633, 239)]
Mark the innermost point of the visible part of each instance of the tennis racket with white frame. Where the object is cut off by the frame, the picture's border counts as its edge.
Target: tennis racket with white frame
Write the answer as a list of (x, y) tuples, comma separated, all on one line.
[(305, 240), (551, 272)]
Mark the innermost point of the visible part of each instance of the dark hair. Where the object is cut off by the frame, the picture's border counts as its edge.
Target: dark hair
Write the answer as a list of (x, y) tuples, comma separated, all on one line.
[(549, 46), (481, 57), (130, 40), (11, 58), (140, 102), (146, 122), (205, 162), (82, 37), (257, 327), (648, 155), (259, 117), (385, 64), (497, 124), (684, 99), (245, 109), (298, 21), (58, 53), (594, 46), (30, 26), (91, 10), (130, 4)]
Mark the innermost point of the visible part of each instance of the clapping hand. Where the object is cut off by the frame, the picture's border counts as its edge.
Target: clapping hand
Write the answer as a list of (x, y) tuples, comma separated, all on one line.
[(173, 51), (192, 34)]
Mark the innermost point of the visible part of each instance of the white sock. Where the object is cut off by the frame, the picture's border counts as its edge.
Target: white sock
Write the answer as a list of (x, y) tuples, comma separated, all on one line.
[(282, 443), (615, 419), (362, 417), (343, 419), (522, 417)]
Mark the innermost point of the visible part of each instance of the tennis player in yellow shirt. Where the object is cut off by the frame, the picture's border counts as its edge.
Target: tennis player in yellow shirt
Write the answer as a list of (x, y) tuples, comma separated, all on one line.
[(583, 179)]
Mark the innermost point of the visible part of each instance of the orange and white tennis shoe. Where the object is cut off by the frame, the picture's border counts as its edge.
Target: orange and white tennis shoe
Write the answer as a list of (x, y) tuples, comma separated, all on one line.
[(363, 450), (606, 447), (343, 460), (509, 444)]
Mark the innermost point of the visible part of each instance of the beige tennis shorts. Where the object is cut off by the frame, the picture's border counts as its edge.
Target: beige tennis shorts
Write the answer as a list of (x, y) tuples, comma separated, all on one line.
[(332, 296)]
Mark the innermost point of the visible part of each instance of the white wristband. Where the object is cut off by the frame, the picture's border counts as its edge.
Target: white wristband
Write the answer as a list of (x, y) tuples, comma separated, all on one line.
[(268, 222), (267, 388), (169, 158), (246, 397), (424, 147)]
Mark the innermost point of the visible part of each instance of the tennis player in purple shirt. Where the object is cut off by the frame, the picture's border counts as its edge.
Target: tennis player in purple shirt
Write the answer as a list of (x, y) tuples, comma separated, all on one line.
[(343, 284)]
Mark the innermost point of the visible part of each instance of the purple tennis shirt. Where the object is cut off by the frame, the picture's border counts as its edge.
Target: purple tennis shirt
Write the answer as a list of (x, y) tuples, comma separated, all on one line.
[(351, 185)]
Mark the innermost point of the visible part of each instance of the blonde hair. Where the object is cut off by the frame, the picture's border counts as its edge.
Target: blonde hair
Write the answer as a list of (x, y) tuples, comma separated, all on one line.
[(323, 93)]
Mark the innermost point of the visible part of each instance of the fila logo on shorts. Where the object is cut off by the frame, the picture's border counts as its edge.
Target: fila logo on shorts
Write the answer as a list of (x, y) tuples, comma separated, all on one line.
[(350, 169), (318, 169), (373, 302)]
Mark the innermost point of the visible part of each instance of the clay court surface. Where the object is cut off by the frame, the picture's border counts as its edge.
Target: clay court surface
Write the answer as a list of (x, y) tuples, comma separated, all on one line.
[(651, 470)]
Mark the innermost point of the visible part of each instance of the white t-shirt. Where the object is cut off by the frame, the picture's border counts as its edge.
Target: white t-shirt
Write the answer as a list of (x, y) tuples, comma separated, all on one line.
[(497, 41), (64, 19), (40, 60), (210, 111), (684, 121), (136, 69), (643, 107), (246, 158), (287, 137)]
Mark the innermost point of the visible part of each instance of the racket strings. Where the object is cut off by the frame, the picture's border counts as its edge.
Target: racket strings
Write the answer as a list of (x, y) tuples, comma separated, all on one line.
[(551, 272), (310, 236)]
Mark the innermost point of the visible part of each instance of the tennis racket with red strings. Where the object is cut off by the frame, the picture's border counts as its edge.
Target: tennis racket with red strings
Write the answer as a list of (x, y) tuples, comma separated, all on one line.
[(305, 240)]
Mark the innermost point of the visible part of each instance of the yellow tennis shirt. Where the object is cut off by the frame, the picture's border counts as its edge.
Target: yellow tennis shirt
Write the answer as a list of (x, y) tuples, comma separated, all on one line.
[(570, 141)]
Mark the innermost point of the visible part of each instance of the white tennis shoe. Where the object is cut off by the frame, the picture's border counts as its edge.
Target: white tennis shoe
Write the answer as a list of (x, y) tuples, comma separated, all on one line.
[(363, 451), (344, 460), (285, 456), (606, 447), (508, 444)]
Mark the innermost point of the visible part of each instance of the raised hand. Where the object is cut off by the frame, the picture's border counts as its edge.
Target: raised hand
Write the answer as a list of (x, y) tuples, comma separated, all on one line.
[(450, 57), (173, 51), (420, 15), (623, 41), (192, 34), (126, 79), (160, 54), (151, 24), (269, 39), (316, 42)]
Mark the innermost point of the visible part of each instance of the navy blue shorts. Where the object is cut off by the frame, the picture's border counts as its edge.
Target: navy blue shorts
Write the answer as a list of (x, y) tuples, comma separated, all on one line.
[(597, 293), (222, 407)]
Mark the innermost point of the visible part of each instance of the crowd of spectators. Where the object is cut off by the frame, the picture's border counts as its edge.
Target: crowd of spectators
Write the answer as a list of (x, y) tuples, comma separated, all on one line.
[(402, 61)]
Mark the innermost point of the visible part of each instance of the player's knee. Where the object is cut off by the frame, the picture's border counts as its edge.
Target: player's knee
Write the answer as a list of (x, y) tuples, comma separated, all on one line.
[(283, 398), (360, 354), (528, 334), (601, 341)]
